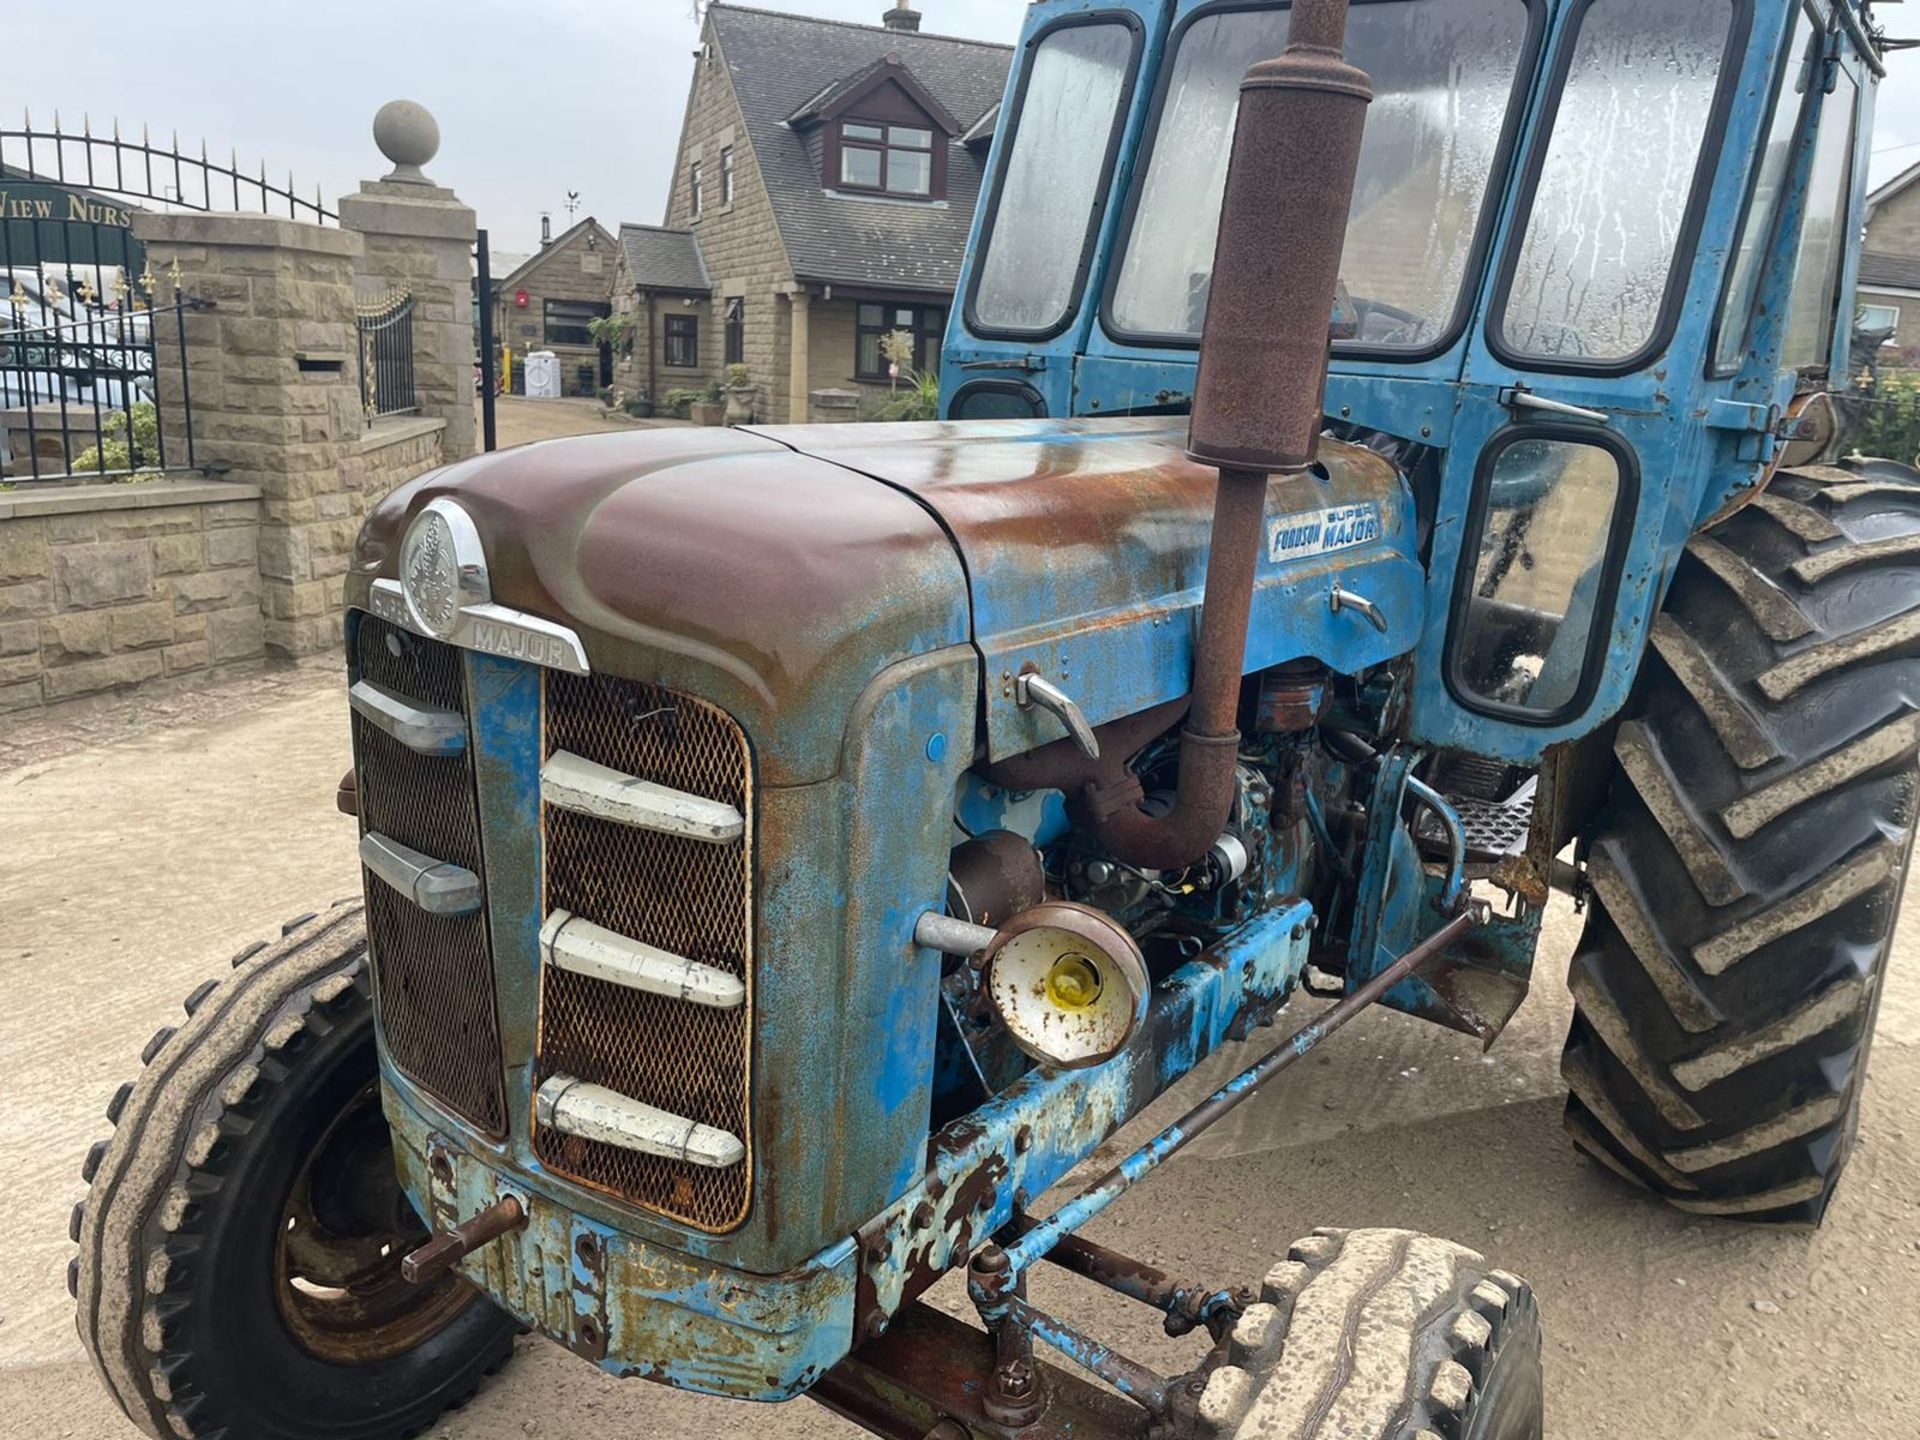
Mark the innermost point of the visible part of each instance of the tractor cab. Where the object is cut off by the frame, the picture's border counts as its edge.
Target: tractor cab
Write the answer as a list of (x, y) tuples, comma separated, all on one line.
[(1595, 249)]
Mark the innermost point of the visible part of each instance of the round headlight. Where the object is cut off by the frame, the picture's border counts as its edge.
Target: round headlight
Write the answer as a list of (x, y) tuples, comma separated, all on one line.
[(1068, 982), (443, 567)]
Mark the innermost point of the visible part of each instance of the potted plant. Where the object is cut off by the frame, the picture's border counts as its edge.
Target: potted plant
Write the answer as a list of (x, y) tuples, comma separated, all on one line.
[(640, 405), (739, 395), (710, 408), (680, 401)]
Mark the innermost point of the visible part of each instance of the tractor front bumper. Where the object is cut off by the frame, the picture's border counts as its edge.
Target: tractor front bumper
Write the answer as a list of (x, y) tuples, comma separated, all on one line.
[(629, 1306)]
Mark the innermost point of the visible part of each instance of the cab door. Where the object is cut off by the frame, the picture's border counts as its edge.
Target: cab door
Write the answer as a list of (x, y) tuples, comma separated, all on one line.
[(1586, 428)]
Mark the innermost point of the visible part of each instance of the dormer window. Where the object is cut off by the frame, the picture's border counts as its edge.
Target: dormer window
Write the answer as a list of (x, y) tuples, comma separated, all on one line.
[(892, 159)]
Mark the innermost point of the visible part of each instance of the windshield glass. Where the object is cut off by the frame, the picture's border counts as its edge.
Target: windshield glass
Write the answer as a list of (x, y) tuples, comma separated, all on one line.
[(1443, 79), (1590, 283), (1043, 214)]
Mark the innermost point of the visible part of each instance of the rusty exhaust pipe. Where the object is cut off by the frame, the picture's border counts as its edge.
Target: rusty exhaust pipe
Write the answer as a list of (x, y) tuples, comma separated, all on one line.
[(1256, 413)]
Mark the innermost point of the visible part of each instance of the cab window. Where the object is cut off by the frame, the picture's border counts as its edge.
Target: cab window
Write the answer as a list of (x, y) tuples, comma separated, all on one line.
[(1763, 210), (1443, 75), (1548, 508), (1040, 222), (1823, 239), (1613, 196)]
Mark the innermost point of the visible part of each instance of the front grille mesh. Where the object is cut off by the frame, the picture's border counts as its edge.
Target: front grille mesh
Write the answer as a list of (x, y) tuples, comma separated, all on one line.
[(433, 974), (682, 895)]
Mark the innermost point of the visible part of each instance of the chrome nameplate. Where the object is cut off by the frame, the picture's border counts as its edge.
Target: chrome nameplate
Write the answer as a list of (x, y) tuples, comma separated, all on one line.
[(490, 629)]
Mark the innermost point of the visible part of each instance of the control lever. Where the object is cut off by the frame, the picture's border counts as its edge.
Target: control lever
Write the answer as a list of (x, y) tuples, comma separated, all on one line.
[(1353, 600), (1030, 689)]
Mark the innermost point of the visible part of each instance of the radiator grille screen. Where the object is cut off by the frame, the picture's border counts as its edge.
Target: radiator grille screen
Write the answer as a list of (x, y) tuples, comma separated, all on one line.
[(681, 895), (433, 974)]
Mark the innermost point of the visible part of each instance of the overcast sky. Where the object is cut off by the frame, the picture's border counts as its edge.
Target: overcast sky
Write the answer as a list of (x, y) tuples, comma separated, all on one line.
[(534, 98)]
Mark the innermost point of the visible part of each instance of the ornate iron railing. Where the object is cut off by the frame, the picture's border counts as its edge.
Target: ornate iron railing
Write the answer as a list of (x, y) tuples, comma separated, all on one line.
[(79, 372), (141, 169), (385, 329)]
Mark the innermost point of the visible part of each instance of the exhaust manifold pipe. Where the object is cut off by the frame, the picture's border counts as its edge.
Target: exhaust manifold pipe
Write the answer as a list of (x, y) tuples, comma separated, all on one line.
[(1256, 413)]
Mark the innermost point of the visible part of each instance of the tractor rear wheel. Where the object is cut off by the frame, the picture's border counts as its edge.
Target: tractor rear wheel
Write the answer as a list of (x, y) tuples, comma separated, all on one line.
[(1380, 1335), (240, 1245), (1747, 869)]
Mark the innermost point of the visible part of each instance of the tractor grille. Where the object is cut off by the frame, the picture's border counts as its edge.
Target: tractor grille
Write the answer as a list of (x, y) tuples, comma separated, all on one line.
[(682, 895), (433, 974)]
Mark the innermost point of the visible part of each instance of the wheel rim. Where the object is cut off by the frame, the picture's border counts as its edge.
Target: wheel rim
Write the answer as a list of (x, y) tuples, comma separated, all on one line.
[(343, 1230)]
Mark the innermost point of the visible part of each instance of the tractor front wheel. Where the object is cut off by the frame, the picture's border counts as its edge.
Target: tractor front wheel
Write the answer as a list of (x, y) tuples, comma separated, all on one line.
[(1747, 869), (1380, 1335), (240, 1245)]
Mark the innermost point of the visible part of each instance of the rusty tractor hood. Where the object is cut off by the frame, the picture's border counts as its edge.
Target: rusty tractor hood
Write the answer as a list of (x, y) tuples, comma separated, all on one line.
[(777, 571)]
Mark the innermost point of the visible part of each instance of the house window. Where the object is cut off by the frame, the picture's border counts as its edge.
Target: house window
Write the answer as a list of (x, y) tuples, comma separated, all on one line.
[(927, 324), (693, 188), (736, 331), (726, 175), (566, 320), (1877, 317), (896, 159), (682, 334)]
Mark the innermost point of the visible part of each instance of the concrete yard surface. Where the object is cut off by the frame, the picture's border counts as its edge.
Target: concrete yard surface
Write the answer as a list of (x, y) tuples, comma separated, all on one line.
[(162, 838)]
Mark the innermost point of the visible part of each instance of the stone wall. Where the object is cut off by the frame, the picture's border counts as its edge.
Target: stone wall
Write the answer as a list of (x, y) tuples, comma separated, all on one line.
[(630, 370), (105, 586), (417, 236), (568, 269), (1895, 226), (740, 242)]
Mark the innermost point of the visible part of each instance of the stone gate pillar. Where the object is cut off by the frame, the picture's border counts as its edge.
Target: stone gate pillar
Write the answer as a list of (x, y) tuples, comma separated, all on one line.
[(275, 396), (419, 238)]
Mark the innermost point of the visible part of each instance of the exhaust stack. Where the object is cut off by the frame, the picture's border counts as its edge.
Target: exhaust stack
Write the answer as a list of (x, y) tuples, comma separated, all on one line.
[(1257, 403)]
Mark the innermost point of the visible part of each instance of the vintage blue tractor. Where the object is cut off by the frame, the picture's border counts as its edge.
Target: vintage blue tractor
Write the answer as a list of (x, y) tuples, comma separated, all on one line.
[(790, 852)]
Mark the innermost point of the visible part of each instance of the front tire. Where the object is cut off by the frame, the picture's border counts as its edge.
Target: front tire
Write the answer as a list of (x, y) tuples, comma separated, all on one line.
[(238, 1273), (1746, 872), (1381, 1335)]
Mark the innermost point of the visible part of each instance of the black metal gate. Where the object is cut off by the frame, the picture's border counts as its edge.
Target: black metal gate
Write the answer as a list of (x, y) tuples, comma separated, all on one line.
[(86, 391), (488, 363)]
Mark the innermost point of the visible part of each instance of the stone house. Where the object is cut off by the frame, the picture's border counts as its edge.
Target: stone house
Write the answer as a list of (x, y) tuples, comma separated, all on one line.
[(826, 177), (546, 302), (660, 283), (1890, 261)]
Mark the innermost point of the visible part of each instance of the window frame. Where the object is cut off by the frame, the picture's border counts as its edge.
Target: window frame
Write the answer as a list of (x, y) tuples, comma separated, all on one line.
[(1015, 111), (1606, 597), (884, 148), (1865, 305), (1686, 244), (684, 328), (601, 309), (694, 206), (1485, 230), (1846, 248), (1017, 388), (726, 175), (931, 339), (734, 331), (1715, 370)]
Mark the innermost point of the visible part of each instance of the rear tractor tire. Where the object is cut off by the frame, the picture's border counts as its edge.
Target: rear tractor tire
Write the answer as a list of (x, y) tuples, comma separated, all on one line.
[(1747, 868), (240, 1244), (1380, 1335)]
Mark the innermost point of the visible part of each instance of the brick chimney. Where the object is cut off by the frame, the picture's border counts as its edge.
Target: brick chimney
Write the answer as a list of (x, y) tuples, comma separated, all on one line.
[(901, 17)]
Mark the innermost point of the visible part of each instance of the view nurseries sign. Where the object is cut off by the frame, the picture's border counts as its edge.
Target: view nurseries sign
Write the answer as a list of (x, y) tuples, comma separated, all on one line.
[(47, 202)]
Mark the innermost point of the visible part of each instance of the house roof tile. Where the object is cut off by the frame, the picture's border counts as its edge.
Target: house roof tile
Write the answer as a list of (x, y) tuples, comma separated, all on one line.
[(1895, 272), (663, 259)]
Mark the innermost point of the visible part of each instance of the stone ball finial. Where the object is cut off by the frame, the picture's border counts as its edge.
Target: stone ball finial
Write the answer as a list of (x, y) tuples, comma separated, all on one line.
[(408, 135)]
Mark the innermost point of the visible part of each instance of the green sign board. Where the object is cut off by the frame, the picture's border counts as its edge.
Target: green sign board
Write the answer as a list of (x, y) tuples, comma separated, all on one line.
[(42, 223)]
